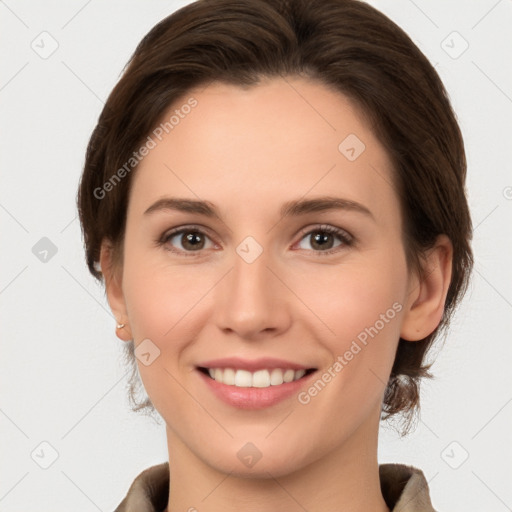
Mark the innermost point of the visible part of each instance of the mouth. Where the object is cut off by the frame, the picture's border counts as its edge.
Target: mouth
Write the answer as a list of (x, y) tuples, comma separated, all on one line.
[(261, 378), (254, 383)]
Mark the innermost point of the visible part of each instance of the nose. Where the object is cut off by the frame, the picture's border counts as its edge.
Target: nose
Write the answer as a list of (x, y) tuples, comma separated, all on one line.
[(252, 300)]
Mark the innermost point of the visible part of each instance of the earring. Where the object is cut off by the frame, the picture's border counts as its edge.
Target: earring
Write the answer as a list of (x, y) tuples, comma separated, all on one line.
[(120, 326)]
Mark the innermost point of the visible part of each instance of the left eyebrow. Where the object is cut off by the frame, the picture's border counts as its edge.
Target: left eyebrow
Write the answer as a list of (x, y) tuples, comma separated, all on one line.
[(319, 204)]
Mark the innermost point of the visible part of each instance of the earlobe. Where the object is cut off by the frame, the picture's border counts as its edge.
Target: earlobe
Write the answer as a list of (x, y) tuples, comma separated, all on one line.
[(112, 276), (427, 296)]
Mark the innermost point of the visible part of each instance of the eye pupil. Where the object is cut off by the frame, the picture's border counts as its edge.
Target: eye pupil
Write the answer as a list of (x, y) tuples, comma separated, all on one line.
[(319, 239), (192, 237)]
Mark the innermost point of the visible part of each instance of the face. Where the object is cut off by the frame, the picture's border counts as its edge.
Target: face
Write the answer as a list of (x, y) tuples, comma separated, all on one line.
[(301, 265)]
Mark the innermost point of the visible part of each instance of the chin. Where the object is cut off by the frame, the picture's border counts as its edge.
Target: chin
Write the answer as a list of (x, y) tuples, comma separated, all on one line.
[(245, 460)]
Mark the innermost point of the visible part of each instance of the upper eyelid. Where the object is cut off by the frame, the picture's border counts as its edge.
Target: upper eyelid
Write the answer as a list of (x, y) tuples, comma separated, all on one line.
[(192, 227), (327, 227)]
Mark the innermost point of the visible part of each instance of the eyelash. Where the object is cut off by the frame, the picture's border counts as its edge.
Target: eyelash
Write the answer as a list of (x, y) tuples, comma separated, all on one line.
[(346, 239)]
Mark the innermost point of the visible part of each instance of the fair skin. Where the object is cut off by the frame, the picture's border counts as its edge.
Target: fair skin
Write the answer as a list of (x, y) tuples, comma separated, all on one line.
[(247, 152)]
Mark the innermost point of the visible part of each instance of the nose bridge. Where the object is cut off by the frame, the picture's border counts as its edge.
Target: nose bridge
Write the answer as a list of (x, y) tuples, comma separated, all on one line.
[(250, 300)]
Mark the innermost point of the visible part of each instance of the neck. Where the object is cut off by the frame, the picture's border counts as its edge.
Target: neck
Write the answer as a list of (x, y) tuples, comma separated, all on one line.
[(347, 479)]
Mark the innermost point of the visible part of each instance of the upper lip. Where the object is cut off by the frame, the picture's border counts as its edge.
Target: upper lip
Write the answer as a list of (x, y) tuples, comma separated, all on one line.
[(252, 365)]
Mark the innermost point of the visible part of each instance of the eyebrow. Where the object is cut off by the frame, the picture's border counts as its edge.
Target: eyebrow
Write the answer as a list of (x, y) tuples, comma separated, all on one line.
[(293, 208)]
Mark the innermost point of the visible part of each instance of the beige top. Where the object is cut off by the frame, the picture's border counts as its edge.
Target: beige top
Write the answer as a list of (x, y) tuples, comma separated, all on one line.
[(404, 489)]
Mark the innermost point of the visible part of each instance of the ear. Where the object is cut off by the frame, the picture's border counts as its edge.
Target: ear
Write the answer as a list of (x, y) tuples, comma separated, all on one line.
[(427, 293), (112, 275)]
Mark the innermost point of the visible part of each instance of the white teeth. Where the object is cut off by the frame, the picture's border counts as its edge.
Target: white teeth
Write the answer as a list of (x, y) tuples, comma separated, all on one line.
[(228, 377), (261, 379), (299, 374), (243, 378), (276, 377), (257, 379), (288, 375)]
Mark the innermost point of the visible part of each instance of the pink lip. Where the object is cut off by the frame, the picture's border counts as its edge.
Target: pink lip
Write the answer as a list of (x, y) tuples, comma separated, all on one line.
[(254, 398), (262, 363)]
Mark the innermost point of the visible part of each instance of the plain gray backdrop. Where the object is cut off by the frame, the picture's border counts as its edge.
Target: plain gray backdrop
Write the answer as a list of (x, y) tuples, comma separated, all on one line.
[(69, 440)]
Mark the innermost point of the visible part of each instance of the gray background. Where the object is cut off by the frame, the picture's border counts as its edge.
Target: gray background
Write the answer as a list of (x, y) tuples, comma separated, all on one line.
[(62, 383)]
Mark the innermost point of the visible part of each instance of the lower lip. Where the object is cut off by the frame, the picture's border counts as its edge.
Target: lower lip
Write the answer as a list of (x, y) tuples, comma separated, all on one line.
[(254, 398)]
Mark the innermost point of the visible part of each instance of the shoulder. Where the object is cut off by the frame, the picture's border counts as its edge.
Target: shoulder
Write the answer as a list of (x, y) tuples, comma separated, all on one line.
[(405, 488), (149, 491)]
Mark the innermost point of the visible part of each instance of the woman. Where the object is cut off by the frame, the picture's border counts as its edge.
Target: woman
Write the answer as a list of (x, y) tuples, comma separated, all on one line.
[(274, 199)]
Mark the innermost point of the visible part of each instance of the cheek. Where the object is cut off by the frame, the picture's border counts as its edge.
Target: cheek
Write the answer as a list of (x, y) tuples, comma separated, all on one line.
[(151, 311), (351, 297), (362, 311), (160, 297), (360, 306), (163, 305)]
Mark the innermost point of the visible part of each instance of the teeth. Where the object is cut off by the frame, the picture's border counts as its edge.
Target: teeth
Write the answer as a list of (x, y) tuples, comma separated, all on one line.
[(243, 378), (299, 374), (288, 375), (228, 376), (258, 379), (276, 377)]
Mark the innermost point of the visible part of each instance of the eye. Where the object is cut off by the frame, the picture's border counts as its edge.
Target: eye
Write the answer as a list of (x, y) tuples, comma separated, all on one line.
[(186, 239), (191, 240), (322, 239)]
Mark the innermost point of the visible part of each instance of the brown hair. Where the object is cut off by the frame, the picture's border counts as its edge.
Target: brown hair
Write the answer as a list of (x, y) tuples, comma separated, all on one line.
[(344, 44)]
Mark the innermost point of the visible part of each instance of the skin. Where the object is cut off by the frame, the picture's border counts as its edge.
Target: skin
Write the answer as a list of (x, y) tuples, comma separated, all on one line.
[(248, 151)]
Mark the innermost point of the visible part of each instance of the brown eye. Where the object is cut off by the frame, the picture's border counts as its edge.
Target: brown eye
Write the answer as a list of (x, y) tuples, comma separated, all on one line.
[(186, 240), (323, 238), (192, 240)]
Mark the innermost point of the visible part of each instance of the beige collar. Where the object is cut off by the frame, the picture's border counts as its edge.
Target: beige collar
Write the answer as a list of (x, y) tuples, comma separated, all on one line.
[(404, 489)]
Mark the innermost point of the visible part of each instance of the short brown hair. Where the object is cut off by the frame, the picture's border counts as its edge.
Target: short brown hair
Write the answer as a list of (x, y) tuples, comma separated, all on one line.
[(344, 44)]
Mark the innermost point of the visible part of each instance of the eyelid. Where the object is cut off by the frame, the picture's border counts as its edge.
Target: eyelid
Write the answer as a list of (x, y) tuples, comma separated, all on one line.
[(342, 233), (346, 238), (171, 233)]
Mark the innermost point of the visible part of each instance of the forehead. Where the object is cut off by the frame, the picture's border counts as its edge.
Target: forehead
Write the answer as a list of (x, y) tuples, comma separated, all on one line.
[(282, 137)]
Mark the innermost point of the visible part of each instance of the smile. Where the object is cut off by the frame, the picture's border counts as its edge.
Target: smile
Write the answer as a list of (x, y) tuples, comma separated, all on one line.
[(258, 379)]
